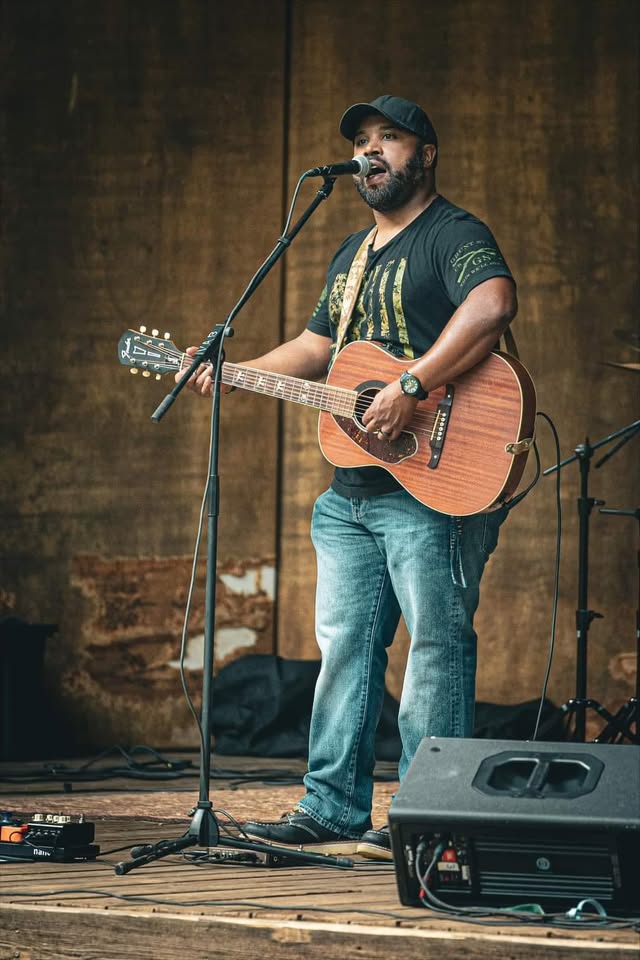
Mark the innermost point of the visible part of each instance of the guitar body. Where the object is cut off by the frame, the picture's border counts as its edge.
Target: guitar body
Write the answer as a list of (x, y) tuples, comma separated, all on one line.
[(466, 471)]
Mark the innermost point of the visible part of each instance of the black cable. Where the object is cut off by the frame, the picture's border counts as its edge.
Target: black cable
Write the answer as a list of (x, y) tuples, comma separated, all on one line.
[(236, 779), (556, 577), (187, 612), (162, 768), (520, 497), (622, 923), (107, 853)]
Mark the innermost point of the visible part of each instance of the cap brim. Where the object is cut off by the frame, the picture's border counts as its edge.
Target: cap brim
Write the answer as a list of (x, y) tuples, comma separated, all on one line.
[(352, 117)]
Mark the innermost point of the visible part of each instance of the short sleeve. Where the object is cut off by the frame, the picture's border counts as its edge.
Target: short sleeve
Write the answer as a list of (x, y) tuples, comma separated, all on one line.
[(319, 320), (467, 254)]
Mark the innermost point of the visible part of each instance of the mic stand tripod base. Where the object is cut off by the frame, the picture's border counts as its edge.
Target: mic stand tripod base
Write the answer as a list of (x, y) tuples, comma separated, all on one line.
[(578, 707), (620, 725), (204, 832)]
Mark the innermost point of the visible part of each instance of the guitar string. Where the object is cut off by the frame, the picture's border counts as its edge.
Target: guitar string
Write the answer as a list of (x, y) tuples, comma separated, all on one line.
[(423, 421)]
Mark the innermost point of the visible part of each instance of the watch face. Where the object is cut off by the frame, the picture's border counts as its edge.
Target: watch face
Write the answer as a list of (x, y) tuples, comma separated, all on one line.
[(410, 384)]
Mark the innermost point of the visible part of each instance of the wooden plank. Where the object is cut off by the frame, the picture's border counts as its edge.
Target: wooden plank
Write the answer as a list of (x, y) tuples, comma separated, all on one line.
[(247, 801), (81, 935)]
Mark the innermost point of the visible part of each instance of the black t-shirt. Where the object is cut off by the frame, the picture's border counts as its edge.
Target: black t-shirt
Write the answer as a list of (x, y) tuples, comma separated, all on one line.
[(409, 291)]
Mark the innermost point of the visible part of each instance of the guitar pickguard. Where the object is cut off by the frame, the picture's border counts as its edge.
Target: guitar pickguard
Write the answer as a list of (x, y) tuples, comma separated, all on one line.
[(386, 451)]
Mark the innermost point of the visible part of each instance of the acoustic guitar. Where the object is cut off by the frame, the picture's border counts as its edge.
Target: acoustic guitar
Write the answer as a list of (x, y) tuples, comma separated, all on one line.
[(463, 452)]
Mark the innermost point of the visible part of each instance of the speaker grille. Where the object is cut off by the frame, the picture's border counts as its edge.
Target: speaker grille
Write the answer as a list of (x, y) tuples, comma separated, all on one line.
[(545, 867), (508, 884)]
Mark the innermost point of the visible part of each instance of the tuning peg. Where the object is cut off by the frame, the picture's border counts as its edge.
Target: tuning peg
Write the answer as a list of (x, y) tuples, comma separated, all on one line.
[(167, 336), (133, 370), (146, 373), (154, 333), (158, 377), (143, 329)]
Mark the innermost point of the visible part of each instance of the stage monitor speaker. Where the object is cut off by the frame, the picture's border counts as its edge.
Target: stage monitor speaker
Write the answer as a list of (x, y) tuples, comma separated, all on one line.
[(521, 822)]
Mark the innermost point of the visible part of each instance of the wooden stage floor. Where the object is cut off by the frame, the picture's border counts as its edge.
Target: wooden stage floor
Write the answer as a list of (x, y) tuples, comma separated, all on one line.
[(176, 907)]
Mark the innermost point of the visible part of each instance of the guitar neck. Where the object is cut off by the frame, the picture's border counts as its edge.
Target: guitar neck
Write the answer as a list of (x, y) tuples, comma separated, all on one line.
[(307, 392), (154, 355)]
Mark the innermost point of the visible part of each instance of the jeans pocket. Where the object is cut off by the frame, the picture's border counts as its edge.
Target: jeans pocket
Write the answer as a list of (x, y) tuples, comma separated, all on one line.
[(472, 540)]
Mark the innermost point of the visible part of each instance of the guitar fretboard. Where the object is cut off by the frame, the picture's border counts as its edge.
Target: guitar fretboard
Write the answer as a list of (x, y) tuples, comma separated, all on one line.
[(333, 399)]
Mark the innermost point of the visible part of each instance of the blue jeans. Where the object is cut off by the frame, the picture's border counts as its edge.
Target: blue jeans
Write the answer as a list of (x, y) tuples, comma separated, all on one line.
[(378, 558)]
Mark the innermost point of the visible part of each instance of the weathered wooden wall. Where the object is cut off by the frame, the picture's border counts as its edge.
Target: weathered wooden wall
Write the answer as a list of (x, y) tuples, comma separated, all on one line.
[(143, 179), (148, 149)]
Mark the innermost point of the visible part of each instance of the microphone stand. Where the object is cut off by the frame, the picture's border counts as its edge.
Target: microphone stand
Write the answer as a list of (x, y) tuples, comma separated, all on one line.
[(579, 705), (204, 830)]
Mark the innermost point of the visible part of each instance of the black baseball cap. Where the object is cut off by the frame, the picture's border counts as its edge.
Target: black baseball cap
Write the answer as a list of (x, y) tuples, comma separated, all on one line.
[(402, 113)]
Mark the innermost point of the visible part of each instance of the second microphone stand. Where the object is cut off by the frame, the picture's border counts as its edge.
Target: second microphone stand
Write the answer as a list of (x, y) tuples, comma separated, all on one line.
[(628, 716), (578, 706)]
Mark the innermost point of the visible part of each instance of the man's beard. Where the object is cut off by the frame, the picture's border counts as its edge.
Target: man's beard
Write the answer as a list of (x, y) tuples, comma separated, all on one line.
[(399, 187)]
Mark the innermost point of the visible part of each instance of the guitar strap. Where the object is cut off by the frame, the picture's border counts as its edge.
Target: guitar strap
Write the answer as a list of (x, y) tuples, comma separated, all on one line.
[(510, 343), (352, 288)]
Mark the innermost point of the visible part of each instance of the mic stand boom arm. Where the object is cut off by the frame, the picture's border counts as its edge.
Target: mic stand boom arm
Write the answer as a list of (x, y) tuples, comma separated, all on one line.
[(203, 830)]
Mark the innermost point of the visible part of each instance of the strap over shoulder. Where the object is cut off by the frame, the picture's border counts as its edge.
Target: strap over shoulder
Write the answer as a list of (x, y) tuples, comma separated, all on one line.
[(510, 343), (352, 287)]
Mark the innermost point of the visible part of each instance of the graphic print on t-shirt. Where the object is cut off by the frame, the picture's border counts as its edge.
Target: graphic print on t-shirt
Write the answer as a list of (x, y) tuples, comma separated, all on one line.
[(378, 313), (473, 257)]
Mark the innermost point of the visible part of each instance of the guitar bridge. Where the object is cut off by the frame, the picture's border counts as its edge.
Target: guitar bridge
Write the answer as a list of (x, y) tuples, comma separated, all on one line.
[(439, 432)]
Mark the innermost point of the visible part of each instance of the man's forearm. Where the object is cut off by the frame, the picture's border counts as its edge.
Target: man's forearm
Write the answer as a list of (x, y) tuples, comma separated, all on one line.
[(307, 356)]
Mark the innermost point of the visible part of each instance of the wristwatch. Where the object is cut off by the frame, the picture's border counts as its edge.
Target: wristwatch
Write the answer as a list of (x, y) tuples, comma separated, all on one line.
[(410, 385)]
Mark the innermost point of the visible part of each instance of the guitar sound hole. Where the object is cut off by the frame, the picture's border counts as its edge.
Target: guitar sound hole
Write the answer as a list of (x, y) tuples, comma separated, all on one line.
[(365, 399)]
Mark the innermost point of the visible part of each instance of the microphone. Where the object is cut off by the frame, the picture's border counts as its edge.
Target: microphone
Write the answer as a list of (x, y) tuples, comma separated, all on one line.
[(360, 166)]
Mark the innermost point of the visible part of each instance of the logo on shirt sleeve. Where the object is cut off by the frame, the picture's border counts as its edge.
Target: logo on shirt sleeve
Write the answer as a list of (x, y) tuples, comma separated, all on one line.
[(474, 257)]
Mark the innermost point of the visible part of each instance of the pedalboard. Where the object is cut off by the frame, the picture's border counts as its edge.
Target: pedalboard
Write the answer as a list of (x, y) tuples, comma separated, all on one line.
[(47, 836)]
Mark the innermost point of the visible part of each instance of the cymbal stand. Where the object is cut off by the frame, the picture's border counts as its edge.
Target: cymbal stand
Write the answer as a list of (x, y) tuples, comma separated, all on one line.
[(577, 706), (628, 716)]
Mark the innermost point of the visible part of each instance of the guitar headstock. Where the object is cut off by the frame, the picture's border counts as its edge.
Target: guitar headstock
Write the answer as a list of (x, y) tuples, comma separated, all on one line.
[(148, 353)]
